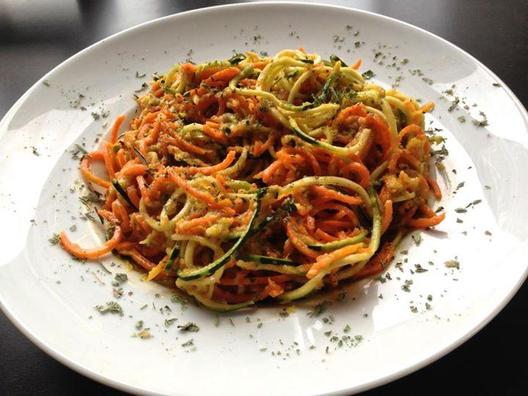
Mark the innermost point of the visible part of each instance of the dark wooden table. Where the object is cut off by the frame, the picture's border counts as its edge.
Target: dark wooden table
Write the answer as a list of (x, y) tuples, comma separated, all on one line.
[(37, 35)]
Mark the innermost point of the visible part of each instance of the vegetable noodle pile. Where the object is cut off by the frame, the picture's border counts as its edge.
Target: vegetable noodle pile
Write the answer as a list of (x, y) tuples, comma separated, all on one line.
[(263, 178)]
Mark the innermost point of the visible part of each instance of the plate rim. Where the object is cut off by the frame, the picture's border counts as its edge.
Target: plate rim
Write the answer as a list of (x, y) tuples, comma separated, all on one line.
[(117, 384)]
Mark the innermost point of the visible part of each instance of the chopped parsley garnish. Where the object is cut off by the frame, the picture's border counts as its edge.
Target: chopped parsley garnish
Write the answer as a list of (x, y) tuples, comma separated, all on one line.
[(368, 74), (483, 122), (189, 327), (54, 239), (442, 152), (110, 307), (428, 80), (117, 292), (317, 310), (283, 313), (406, 287), (338, 39), (142, 88), (419, 269), (178, 300), (170, 322), (120, 278), (76, 150), (90, 197), (417, 238), (454, 105), (236, 59), (334, 59)]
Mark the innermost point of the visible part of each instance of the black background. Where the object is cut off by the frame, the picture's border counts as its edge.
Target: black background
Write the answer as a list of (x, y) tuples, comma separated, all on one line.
[(35, 36)]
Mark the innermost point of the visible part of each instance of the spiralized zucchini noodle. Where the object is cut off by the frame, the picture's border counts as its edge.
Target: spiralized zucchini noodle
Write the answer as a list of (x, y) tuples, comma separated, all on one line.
[(263, 178)]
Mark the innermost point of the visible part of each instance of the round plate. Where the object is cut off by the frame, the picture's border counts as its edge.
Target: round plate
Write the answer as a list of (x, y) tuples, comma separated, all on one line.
[(442, 288)]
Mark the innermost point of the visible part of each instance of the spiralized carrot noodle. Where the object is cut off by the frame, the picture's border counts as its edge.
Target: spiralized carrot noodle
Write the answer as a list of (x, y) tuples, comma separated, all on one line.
[(260, 178)]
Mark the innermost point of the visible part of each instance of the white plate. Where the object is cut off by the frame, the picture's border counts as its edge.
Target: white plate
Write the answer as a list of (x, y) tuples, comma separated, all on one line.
[(51, 298)]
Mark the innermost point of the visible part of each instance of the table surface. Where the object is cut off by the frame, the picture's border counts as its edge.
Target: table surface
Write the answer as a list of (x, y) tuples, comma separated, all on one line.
[(35, 36)]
